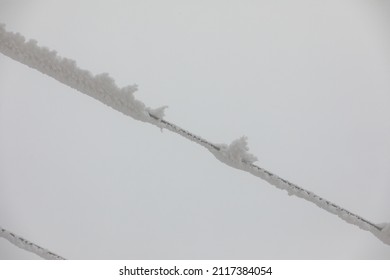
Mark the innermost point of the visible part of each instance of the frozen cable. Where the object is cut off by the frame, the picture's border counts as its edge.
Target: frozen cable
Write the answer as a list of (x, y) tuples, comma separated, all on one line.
[(28, 246), (103, 88)]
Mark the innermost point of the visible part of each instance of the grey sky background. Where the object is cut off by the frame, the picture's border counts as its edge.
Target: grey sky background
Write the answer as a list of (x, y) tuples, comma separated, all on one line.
[(307, 81)]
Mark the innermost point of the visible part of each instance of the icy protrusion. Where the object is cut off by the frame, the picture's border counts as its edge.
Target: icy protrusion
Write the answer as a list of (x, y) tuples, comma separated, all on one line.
[(237, 151), (158, 113), (28, 246)]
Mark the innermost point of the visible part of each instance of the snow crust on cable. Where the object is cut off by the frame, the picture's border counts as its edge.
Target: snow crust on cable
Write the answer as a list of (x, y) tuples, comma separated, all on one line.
[(28, 246), (237, 156), (236, 153), (157, 113), (103, 88)]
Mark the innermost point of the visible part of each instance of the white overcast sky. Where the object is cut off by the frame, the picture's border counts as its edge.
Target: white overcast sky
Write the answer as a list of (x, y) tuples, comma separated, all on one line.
[(307, 81)]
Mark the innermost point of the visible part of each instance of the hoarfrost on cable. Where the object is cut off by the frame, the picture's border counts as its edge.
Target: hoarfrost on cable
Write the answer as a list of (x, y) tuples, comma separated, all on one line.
[(28, 246), (158, 113), (237, 151), (103, 88)]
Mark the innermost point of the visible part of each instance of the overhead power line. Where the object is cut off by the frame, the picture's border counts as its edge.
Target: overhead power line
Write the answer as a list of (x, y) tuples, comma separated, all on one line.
[(103, 88), (28, 245)]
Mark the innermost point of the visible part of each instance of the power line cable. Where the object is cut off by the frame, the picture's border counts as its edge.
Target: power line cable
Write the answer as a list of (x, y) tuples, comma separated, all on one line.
[(103, 88)]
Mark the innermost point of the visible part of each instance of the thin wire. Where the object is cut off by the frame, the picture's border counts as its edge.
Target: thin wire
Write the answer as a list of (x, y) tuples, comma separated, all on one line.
[(28, 245), (274, 179)]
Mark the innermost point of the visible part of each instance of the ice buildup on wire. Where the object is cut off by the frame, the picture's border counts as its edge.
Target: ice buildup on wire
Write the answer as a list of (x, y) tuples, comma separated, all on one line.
[(236, 153), (158, 113), (28, 246), (101, 87)]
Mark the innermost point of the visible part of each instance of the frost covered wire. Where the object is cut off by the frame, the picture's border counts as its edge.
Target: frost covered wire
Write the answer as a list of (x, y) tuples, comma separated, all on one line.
[(236, 155), (28, 246), (103, 88)]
